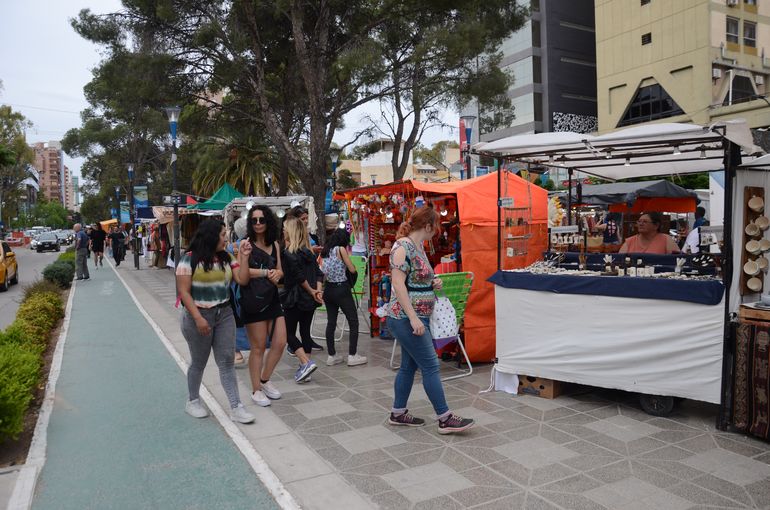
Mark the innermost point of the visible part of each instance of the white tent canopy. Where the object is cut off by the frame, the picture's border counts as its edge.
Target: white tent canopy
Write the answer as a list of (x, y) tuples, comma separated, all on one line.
[(763, 162), (642, 151)]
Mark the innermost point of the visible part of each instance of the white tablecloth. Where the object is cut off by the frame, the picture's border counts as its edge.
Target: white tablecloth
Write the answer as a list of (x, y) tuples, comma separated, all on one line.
[(656, 347)]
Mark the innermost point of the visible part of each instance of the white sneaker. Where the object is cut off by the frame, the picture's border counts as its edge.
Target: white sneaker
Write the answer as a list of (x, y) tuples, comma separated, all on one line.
[(241, 415), (356, 360), (259, 398), (334, 360), (271, 391), (195, 409)]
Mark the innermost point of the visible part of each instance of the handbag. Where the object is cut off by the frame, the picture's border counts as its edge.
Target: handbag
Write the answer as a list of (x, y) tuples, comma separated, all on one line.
[(259, 293), (352, 277), (443, 323), (290, 298)]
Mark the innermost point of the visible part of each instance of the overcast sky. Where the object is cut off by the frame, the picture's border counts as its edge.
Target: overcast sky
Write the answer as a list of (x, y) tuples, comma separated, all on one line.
[(44, 65)]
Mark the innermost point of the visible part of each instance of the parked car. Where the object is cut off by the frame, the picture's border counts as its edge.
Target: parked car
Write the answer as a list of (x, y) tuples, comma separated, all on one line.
[(9, 267), (64, 238), (48, 241)]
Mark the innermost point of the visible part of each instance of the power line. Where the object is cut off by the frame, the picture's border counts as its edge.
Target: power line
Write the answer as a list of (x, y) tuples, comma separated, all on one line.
[(39, 108)]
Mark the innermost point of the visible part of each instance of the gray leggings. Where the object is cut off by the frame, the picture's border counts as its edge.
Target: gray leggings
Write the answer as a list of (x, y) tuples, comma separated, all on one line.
[(222, 341)]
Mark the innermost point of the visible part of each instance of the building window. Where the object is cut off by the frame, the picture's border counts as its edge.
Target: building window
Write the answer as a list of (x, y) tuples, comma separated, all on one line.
[(645, 2), (535, 34), (650, 103), (742, 90), (750, 34), (646, 38), (538, 104), (731, 29), (536, 70), (534, 5), (750, 2)]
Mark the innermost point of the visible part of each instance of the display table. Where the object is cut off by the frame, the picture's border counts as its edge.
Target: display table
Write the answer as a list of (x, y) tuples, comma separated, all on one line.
[(652, 336)]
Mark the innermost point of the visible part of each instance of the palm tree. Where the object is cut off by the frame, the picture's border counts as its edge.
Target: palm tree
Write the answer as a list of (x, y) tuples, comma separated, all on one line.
[(245, 164)]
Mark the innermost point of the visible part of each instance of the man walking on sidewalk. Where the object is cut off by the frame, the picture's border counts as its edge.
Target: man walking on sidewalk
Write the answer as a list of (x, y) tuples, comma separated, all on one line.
[(81, 253)]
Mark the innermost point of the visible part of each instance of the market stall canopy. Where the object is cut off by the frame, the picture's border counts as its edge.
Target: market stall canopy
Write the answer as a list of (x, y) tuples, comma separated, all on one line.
[(477, 197), (762, 162), (219, 201), (658, 195), (641, 151), (165, 214)]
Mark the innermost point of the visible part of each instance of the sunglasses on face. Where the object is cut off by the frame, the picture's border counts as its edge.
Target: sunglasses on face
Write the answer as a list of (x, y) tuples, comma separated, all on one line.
[(259, 220)]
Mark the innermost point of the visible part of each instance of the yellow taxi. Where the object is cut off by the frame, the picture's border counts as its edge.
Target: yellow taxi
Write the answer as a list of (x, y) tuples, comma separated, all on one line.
[(9, 268)]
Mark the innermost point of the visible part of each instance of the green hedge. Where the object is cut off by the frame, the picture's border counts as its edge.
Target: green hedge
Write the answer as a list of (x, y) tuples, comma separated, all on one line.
[(60, 272), (19, 373), (22, 345), (67, 256)]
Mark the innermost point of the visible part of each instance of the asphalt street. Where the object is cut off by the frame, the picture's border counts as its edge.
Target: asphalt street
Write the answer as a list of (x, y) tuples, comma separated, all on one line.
[(31, 266)]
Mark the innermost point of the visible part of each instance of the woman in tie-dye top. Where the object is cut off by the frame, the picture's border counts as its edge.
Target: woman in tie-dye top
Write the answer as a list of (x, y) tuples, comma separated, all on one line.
[(411, 305)]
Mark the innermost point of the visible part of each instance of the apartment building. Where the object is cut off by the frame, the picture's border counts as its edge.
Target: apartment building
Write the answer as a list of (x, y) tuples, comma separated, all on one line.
[(377, 168), (697, 61), (49, 162), (69, 195), (552, 60)]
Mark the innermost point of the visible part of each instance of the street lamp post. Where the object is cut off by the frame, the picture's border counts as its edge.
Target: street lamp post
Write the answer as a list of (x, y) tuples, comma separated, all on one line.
[(132, 215), (117, 204), (468, 121), (334, 154), (173, 118)]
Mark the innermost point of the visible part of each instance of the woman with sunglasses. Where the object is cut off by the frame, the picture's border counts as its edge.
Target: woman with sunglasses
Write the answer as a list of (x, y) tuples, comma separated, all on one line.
[(261, 311)]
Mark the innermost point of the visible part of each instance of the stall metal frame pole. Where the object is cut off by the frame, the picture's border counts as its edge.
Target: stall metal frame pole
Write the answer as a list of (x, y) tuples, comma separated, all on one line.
[(732, 157), (499, 216), (569, 196)]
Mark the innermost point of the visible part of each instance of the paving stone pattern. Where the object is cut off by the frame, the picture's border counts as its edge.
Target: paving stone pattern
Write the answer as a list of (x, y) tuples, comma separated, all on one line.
[(589, 449)]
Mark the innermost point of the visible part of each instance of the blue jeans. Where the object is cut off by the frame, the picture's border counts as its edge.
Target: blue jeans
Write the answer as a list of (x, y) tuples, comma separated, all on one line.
[(417, 352)]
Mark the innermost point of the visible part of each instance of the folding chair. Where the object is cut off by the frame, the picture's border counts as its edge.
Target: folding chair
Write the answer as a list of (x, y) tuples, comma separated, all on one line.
[(359, 289), (456, 287)]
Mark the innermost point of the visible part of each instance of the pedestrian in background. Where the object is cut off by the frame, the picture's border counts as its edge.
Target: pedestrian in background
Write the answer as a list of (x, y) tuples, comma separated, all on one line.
[(302, 293), (338, 295), (98, 237), (411, 305), (203, 278), (117, 243), (261, 311), (81, 253)]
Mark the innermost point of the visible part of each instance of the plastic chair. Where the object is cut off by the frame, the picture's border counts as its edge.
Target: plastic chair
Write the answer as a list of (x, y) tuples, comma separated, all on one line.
[(456, 287)]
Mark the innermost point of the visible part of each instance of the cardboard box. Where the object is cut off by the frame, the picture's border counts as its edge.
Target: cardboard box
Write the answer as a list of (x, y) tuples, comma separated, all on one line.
[(545, 388)]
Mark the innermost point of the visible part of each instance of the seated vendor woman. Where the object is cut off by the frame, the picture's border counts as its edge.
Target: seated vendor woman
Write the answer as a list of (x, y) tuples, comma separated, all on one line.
[(649, 239)]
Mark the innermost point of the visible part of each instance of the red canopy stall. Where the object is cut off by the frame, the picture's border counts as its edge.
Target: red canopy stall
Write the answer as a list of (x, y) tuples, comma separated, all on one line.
[(469, 211)]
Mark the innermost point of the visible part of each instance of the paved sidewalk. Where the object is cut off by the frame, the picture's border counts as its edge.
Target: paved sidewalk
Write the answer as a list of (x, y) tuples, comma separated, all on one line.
[(329, 443), (118, 435)]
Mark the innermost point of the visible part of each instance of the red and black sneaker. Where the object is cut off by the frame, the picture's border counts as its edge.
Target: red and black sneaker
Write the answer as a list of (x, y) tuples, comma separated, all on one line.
[(405, 420), (454, 424)]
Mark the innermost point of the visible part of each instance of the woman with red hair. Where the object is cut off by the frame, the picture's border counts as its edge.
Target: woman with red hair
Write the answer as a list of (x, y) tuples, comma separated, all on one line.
[(411, 305)]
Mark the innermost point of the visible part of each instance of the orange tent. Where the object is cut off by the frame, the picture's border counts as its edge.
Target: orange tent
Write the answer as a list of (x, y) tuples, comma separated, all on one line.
[(477, 205)]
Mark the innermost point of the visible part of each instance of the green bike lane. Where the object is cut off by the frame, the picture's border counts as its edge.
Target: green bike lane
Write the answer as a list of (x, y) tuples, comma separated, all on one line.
[(118, 436)]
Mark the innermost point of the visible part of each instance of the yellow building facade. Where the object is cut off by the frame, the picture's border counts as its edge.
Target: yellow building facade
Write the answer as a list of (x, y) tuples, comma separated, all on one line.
[(698, 61)]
